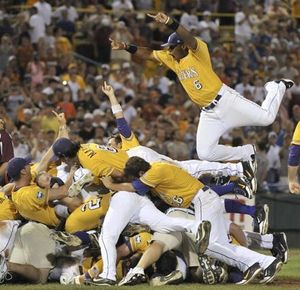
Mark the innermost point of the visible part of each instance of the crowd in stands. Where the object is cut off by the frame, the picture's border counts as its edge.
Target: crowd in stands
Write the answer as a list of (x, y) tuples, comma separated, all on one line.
[(39, 73)]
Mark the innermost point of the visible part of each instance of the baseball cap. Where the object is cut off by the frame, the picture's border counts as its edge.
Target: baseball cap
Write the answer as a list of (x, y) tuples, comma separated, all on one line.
[(15, 166), (173, 39), (63, 147)]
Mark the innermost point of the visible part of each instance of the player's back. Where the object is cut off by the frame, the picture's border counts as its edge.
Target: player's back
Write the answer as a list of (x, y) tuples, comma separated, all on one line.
[(88, 215), (172, 184), (101, 160)]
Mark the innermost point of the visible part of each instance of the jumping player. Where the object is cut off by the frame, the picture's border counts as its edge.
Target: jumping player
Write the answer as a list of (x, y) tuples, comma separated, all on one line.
[(222, 107)]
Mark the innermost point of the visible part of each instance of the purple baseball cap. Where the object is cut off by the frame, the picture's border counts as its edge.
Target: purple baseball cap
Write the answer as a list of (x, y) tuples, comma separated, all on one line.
[(63, 147), (174, 39), (15, 166)]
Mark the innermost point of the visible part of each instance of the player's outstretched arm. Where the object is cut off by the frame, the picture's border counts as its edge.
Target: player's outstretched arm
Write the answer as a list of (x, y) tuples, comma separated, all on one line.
[(115, 105), (142, 52), (188, 39)]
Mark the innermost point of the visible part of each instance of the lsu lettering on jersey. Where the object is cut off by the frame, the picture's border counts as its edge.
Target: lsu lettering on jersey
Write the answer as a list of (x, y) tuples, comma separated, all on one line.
[(296, 135), (32, 203), (194, 72), (101, 160), (88, 215), (8, 210), (172, 184)]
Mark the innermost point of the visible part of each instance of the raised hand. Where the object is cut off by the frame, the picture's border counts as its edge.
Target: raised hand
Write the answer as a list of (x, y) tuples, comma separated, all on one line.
[(61, 118), (107, 89), (117, 45), (160, 17)]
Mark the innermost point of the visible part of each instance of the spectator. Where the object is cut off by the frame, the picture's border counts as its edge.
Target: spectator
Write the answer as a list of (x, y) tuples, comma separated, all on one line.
[(36, 69), (87, 131), (44, 10), (189, 18), (6, 50), (72, 12), (67, 26), (208, 29), (243, 25), (37, 26)]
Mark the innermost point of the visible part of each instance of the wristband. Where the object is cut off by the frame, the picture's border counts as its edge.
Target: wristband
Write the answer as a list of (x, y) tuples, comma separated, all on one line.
[(174, 24), (131, 48), (116, 109)]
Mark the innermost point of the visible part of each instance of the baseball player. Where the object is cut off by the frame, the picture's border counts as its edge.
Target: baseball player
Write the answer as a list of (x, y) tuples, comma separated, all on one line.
[(196, 168), (178, 189), (294, 161), (222, 107)]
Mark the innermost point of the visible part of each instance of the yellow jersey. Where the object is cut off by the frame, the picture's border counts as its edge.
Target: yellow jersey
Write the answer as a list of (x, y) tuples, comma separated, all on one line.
[(195, 73), (128, 143), (88, 215), (8, 210), (172, 184), (138, 243), (32, 203), (296, 135), (101, 160)]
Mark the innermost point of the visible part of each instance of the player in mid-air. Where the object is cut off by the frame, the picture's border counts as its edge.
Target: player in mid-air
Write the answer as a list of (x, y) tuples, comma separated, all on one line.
[(222, 107)]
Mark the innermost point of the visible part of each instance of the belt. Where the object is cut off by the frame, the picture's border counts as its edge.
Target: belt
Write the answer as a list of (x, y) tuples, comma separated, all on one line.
[(213, 103)]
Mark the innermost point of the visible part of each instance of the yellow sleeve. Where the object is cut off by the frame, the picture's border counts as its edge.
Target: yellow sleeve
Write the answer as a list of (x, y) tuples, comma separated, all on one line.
[(296, 136), (37, 196), (163, 57), (131, 142), (150, 178)]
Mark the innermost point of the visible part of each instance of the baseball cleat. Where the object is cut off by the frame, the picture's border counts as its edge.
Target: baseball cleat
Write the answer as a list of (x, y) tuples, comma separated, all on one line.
[(249, 173), (288, 83), (85, 178), (66, 238), (280, 247), (253, 159), (202, 237), (271, 271), (242, 187), (135, 276), (175, 277), (250, 274), (4, 274), (262, 218), (208, 272), (99, 281)]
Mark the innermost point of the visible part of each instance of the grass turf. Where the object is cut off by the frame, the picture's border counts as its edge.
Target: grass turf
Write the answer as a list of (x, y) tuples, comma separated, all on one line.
[(289, 278)]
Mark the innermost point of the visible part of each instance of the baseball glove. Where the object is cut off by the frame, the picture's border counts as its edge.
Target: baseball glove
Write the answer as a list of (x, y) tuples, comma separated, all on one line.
[(134, 229)]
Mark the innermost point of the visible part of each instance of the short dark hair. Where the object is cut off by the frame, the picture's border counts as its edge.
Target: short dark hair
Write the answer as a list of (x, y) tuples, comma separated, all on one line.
[(135, 165), (167, 263)]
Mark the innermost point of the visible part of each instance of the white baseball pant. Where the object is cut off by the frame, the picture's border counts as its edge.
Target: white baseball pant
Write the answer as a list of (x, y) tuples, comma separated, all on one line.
[(233, 110), (7, 236), (194, 167), (208, 206), (128, 207)]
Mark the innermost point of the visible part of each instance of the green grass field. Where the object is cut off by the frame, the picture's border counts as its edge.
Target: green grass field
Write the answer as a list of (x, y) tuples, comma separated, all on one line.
[(288, 278)]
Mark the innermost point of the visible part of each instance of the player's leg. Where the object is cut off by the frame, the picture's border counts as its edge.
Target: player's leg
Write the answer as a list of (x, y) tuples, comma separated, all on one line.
[(198, 167), (121, 209), (209, 206), (210, 128)]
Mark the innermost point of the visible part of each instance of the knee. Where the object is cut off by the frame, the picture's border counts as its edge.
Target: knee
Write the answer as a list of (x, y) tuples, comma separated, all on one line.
[(109, 236), (205, 153)]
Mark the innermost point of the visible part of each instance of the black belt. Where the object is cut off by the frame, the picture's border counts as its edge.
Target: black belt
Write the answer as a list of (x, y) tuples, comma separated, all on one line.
[(213, 103)]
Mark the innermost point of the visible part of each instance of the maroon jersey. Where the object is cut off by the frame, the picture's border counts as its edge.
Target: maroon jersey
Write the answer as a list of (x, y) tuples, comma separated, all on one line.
[(6, 147)]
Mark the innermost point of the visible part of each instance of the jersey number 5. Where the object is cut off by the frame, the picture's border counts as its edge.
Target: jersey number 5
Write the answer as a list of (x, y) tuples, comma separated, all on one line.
[(197, 84)]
